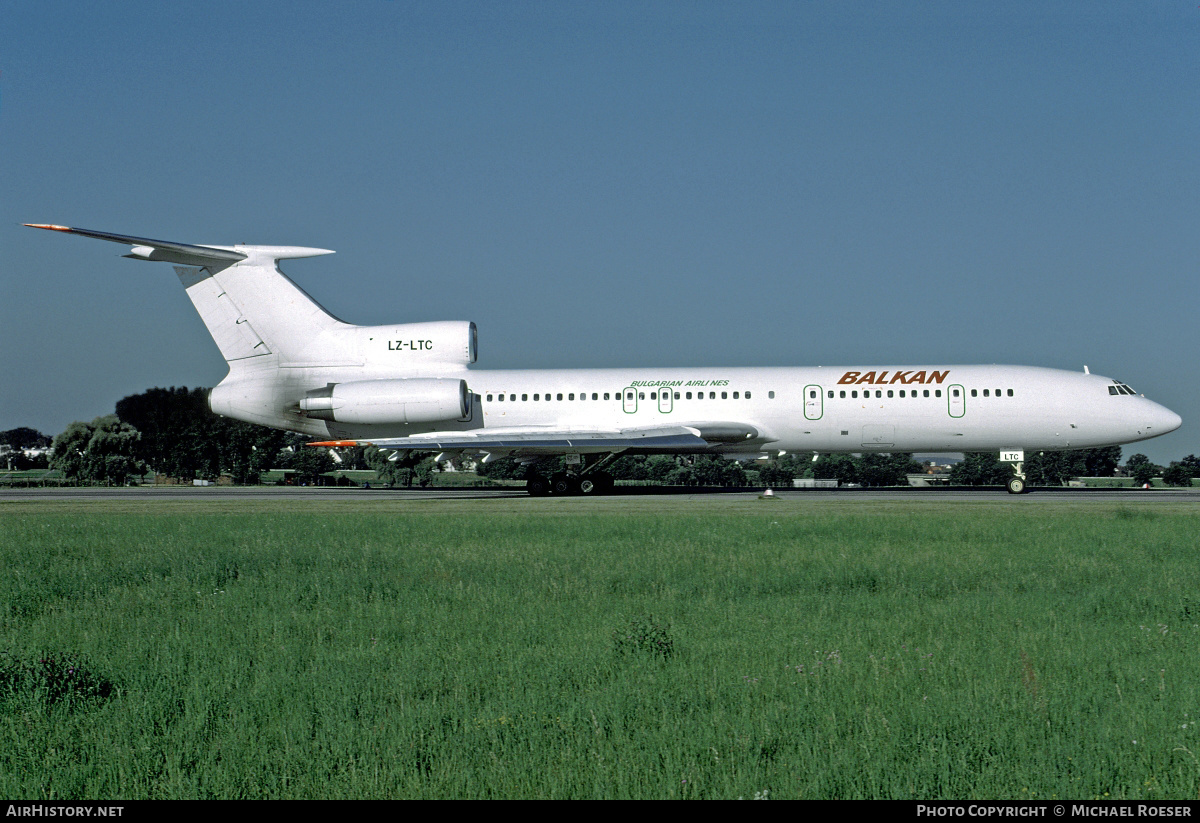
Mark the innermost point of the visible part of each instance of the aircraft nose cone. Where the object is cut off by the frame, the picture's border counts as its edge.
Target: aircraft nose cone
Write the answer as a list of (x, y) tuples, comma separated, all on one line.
[(1170, 421), (1160, 420)]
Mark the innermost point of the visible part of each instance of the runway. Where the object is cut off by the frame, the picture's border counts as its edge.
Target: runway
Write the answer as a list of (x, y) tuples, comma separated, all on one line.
[(229, 494)]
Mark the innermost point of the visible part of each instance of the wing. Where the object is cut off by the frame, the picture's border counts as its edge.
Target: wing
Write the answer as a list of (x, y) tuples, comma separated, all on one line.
[(545, 442)]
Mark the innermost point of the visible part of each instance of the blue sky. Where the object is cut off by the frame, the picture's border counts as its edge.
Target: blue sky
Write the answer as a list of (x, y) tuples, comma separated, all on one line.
[(613, 184)]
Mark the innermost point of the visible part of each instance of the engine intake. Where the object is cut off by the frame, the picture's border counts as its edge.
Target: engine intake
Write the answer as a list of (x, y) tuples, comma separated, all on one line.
[(402, 400)]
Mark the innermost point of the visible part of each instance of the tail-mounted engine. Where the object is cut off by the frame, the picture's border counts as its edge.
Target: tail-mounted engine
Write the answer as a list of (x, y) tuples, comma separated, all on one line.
[(402, 400), (419, 346)]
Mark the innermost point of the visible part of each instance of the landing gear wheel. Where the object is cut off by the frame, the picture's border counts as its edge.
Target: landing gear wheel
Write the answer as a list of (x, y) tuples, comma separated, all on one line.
[(537, 487), (590, 486), (562, 484), (1016, 485)]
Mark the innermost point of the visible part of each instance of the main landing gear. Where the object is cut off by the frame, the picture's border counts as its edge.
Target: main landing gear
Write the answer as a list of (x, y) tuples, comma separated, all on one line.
[(563, 484), (590, 481)]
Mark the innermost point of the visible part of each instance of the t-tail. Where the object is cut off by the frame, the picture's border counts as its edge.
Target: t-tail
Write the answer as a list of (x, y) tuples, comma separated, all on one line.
[(281, 345)]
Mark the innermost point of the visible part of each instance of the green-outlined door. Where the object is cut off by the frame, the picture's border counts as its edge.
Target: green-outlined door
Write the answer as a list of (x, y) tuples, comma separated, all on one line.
[(814, 403), (629, 400), (665, 403), (956, 399)]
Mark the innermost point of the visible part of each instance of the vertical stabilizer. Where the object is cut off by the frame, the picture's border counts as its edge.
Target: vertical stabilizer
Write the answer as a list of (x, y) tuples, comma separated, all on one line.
[(232, 332), (251, 308)]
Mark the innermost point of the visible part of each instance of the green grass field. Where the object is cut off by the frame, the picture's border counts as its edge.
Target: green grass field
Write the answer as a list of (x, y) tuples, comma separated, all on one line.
[(638, 647)]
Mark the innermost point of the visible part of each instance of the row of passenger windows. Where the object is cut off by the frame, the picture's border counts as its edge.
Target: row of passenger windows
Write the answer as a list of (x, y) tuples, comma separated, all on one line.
[(712, 395), (954, 392), (738, 395)]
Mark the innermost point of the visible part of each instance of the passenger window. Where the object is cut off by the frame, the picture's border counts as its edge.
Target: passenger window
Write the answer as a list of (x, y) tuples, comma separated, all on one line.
[(489, 398), (1010, 394), (771, 395), (724, 395), (641, 395), (596, 396), (524, 397), (937, 392), (985, 392), (842, 394), (925, 392), (689, 395), (889, 392), (747, 395), (735, 395), (676, 395), (560, 395)]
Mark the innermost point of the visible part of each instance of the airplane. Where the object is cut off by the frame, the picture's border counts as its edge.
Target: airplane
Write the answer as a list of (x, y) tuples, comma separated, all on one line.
[(409, 388)]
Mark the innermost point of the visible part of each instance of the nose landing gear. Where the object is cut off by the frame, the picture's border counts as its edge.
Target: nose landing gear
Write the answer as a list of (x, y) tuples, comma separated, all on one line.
[(1017, 483)]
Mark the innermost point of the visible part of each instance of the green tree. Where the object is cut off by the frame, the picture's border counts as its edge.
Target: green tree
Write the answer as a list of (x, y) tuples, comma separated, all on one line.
[(840, 467), (24, 437), (181, 437), (502, 468), (1177, 474), (414, 467), (710, 470), (69, 449), (980, 469), (1141, 469), (780, 471), (875, 469), (1054, 468), (247, 450), (629, 467), (661, 468), (103, 451), (310, 463), (1101, 462)]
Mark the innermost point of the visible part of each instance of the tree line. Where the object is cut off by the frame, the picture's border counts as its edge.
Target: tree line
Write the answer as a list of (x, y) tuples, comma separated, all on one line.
[(173, 432), (1056, 468)]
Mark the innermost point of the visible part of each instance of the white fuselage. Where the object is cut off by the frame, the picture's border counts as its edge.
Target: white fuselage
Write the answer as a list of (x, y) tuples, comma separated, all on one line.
[(823, 409)]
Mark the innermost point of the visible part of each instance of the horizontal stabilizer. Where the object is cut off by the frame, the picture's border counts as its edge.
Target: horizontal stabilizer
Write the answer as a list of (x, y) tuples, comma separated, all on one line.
[(158, 250), (212, 257)]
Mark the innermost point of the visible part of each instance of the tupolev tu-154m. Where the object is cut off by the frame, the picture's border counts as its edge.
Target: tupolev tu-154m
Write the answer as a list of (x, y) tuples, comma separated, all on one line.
[(410, 388)]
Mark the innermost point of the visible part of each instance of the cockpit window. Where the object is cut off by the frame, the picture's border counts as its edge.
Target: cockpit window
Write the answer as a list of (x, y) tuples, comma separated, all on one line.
[(1120, 388)]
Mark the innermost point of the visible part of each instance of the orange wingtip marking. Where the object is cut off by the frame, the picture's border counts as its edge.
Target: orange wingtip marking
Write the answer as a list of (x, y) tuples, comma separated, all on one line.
[(49, 226), (334, 444)]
